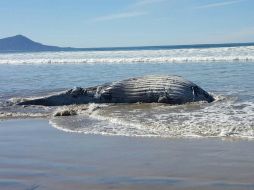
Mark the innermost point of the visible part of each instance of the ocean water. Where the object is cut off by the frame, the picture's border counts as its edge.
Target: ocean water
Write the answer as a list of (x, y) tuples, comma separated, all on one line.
[(225, 72)]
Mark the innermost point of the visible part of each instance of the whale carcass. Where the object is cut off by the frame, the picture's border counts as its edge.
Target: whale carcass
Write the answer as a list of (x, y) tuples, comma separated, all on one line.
[(146, 89)]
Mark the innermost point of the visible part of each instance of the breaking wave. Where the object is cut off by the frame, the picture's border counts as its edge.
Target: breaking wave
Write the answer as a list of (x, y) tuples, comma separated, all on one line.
[(226, 54)]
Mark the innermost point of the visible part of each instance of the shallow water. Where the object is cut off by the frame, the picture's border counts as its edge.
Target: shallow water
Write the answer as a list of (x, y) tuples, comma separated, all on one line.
[(37, 156), (231, 82)]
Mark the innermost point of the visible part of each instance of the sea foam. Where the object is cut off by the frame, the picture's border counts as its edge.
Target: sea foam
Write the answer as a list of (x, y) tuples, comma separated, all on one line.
[(226, 117), (226, 54)]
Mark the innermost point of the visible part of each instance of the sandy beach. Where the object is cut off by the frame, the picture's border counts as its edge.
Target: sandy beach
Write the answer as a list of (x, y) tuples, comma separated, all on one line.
[(35, 155), (127, 95)]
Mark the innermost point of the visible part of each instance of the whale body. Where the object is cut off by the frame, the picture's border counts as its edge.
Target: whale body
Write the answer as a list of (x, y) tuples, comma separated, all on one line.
[(146, 89)]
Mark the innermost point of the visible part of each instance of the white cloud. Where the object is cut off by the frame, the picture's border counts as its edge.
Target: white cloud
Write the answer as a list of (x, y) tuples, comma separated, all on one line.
[(219, 4), (133, 10), (122, 15), (147, 2)]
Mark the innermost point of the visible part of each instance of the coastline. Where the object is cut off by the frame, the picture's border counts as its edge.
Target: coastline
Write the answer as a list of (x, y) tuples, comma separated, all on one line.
[(35, 155)]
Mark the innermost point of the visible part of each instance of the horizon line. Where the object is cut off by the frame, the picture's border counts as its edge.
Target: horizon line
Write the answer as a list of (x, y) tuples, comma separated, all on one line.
[(180, 46)]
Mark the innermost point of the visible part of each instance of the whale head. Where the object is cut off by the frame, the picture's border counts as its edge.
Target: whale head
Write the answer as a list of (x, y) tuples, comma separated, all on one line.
[(201, 95)]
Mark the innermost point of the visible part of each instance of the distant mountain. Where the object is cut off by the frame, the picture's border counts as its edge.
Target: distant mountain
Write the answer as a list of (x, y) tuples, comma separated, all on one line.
[(20, 43)]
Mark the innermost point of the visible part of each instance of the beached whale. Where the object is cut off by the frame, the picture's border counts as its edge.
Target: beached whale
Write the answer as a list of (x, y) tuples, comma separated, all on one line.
[(146, 89)]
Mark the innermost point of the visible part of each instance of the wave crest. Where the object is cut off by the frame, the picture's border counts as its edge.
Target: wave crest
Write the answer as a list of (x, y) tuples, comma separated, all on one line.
[(225, 54)]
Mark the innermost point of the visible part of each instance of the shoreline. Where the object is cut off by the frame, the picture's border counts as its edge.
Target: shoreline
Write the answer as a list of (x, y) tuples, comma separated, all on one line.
[(46, 118), (35, 155)]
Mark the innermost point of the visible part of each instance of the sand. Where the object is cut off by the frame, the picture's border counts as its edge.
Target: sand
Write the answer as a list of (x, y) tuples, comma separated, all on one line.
[(34, 155)]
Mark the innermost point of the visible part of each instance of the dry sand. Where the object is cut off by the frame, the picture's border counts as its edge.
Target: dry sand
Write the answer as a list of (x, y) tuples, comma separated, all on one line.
[(33, 155)]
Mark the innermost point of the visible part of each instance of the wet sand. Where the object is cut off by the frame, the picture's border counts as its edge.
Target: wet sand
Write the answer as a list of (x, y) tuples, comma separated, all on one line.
[(34, 155)]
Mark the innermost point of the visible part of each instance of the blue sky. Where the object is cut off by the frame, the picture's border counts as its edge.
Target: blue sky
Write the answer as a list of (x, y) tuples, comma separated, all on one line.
[(104, 23)]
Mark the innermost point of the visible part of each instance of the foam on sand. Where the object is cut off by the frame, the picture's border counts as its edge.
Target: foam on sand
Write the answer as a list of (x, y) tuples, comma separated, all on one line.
[(224, 118)]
